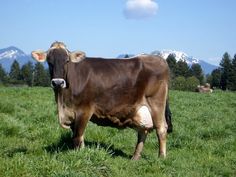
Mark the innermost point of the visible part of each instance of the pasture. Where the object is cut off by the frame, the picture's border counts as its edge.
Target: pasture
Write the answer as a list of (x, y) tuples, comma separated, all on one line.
[(33, 144)]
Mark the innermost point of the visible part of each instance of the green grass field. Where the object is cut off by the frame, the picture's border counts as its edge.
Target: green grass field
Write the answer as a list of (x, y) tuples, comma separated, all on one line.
[(33, 144)]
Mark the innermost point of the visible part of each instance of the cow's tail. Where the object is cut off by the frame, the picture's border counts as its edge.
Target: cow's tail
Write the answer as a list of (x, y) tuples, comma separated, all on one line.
[(168, 117)]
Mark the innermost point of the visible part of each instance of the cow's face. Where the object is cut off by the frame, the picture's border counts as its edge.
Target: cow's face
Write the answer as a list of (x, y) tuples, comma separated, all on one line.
[(58, 57)]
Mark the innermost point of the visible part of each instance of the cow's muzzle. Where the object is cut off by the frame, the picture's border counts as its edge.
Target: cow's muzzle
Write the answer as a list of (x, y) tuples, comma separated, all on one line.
[(58, 83)]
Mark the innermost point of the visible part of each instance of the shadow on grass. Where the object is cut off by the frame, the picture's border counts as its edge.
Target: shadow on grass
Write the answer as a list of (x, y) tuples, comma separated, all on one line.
[(15, 151), (65, 144)]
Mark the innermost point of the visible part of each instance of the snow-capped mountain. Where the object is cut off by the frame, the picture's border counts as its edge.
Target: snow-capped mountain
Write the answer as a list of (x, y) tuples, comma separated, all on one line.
[(206, 67), (178, 56), (9, 54)]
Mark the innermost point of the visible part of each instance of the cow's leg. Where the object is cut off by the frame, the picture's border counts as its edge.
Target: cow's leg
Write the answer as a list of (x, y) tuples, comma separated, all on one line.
[(162, 134), (161, 128), (158, 104), (168, 117), (142, 134), (79, 126)]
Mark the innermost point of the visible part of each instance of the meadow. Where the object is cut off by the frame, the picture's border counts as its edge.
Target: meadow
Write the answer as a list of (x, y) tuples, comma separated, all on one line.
[(33, 144)]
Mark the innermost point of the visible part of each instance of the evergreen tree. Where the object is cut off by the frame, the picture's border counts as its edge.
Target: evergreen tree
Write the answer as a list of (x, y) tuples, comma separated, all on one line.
[(27, 73), (126, 56), (15, 73), (179, 83), (3, 75), (196, 71), (47, 80), (191, 83), (172, 64), (226, 69), (232, 75), (182, 69), (209, 79), (41, 76), (216, 77)]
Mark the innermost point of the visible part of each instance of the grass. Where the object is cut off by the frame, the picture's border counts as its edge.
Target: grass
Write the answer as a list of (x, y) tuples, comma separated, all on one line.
[(33, 144)]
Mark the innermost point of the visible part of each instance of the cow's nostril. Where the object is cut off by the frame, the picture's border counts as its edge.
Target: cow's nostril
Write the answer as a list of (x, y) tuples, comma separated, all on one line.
[(63, 84), (58, 83), (53, 83)]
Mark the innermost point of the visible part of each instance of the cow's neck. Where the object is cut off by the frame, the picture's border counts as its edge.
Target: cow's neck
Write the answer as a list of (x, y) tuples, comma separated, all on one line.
[(62, 97)]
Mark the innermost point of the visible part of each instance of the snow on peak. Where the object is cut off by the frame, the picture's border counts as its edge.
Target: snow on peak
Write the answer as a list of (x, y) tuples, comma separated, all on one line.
[(178, 56), (11, 52)]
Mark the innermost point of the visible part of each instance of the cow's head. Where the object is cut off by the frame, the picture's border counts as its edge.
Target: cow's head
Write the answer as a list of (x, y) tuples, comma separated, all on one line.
[(58, 57)]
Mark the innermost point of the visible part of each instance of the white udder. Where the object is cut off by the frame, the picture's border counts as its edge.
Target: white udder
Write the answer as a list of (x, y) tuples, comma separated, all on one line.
[(145, 117)]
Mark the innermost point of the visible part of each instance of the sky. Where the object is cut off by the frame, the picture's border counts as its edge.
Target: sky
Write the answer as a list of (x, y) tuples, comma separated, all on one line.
[(204, 29)]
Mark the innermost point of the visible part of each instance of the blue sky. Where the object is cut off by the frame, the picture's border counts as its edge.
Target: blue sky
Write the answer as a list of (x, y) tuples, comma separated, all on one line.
[(204, 29)]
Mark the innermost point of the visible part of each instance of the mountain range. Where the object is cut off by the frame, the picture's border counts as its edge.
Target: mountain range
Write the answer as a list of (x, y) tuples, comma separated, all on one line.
[(9, 54)]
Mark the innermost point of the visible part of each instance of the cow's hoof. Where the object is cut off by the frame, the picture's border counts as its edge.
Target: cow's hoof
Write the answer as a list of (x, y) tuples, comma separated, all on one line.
[(78, 144), (135, 158), (163, 156)]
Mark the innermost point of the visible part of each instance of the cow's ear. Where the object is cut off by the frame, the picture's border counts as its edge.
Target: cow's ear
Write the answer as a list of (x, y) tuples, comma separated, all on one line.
[(39, 55), (77, 56)]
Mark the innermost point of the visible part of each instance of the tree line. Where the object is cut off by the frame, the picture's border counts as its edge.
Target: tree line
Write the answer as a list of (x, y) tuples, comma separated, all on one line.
[(29, 74), (188, 78), (184, 77), (224, 77)]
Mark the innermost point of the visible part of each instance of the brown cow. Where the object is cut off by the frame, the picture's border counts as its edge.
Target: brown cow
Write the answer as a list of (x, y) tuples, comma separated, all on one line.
[(110, 92), (204, 89)]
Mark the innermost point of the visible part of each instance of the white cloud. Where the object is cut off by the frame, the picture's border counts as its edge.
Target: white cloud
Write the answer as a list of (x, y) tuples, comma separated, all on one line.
[(140, 9)]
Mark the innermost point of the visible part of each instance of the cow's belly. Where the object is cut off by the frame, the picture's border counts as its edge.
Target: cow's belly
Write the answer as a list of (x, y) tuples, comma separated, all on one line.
[(140, 118)]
